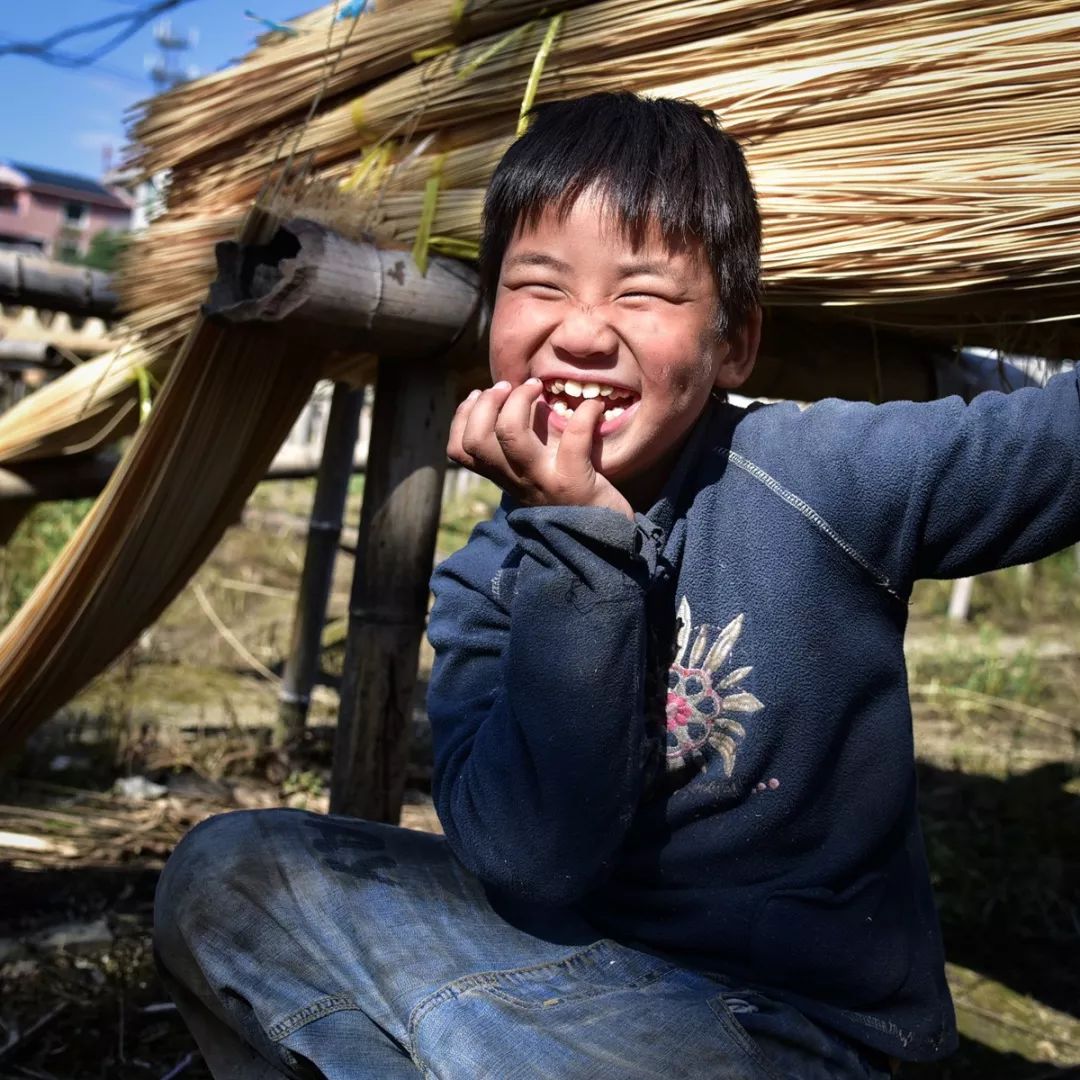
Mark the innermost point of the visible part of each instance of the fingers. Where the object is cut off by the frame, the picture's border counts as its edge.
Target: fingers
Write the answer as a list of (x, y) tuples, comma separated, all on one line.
[(514, 429), (478, 438), (578, 440), (455, 451), (473, 442)]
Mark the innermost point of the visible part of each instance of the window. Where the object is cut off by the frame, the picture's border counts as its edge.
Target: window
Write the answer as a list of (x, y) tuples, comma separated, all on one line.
[(8, 199), (74, 213)]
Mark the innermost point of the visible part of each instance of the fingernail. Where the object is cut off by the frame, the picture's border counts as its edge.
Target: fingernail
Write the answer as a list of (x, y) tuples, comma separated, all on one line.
[(534, 382), (502, 384), (473, 395)]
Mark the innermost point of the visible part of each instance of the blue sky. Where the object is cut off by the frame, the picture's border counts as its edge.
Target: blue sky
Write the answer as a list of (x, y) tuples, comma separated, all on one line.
[(62, 118)]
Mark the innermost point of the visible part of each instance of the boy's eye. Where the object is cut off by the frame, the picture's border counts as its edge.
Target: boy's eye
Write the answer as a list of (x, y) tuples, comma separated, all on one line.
[(541, 286)]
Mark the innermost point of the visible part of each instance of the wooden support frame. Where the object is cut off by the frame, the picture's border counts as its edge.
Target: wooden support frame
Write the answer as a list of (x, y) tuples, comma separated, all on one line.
[(353, 297), (399, 521), (35, 281), (324, 532), (423, 327)]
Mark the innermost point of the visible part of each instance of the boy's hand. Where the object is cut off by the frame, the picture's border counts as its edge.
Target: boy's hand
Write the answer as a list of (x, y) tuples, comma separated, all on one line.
[(492, 434)]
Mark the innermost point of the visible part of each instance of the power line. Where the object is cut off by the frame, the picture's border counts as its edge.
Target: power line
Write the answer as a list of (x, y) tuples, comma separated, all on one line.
[(129, 23)]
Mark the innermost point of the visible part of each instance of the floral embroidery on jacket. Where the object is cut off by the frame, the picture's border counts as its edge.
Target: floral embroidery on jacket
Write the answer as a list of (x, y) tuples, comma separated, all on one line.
[(702, 699)]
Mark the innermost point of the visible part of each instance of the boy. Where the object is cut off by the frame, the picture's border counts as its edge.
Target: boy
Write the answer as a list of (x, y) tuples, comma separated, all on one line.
[(673, 743)]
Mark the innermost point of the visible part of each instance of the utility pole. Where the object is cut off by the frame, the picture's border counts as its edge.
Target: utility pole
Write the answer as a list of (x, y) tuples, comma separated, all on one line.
[(165, 69)]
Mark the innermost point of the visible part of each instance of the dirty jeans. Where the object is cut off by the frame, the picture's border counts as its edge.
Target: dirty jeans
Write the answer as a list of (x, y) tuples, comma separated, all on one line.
[(301, 945)]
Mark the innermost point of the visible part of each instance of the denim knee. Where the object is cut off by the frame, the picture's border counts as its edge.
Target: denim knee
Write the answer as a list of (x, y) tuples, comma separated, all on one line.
[(200, 876)]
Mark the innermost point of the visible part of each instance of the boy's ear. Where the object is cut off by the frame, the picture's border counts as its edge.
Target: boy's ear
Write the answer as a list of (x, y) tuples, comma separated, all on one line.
[(738, 353)]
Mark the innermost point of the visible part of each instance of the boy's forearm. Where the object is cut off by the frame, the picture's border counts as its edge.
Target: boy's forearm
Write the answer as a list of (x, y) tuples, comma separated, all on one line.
[(537, 778)]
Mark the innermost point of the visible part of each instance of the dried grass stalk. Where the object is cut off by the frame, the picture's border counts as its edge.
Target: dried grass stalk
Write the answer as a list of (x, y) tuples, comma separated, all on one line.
[(233, 394), (278, 80)]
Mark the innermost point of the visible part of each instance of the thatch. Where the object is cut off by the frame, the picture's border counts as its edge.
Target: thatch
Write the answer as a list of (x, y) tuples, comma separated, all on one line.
[(161, 514), (914, 159)]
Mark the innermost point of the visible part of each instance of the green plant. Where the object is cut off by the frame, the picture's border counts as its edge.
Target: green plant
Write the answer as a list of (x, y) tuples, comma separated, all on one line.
[(105, 250), (32, 548), (303, 782)]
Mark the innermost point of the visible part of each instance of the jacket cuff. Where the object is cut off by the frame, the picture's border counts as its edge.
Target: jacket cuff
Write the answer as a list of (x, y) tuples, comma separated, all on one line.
[(606, 532)]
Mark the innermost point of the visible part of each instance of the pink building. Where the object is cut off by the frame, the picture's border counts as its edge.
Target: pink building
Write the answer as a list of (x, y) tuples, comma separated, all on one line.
[(56, 213)]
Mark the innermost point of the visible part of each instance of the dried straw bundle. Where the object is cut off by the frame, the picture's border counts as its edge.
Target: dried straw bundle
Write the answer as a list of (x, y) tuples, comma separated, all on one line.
[(949, 184), (92, 404), (162, 513), (277, 81)]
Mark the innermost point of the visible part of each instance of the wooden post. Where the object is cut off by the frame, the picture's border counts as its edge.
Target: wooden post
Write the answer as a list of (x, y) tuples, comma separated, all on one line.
[(960, 599), (414, 404), (324, 531), (40, 282)]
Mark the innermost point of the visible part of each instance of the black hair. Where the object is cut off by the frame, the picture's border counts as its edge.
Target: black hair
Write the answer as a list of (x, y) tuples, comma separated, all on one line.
[(653, 160)]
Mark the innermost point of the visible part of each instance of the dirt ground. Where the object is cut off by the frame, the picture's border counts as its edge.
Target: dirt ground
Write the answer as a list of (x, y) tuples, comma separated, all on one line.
[(186, 710)]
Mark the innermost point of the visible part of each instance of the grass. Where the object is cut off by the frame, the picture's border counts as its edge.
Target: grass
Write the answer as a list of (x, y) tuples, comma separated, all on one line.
[(1015, 598), (39, 538)]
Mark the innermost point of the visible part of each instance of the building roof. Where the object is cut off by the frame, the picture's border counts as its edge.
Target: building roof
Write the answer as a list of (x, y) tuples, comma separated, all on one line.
[(69, 183)]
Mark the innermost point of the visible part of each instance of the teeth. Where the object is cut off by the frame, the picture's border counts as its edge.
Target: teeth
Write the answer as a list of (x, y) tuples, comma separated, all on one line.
[(557, 386), (605, 391), (572, 388), (610, 414), (590, 390), (562, 408)]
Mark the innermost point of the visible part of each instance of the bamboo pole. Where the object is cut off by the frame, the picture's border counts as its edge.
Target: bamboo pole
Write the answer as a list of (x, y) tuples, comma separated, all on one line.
[(399, 520), (324, 532), (367, 298), (38, 282)]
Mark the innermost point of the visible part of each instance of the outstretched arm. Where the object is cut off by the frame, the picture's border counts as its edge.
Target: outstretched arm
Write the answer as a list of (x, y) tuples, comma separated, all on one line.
[(942, 488)]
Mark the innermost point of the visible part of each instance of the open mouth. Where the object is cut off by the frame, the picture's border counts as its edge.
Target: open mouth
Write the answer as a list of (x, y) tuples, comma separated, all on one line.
[(564, 395)]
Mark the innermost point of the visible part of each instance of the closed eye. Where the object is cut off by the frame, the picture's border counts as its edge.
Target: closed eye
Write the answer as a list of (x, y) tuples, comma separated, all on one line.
[(544, 286), (638, 294)]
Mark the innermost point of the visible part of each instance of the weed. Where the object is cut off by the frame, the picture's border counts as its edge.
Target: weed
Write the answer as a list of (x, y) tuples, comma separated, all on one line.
[(33, 547)]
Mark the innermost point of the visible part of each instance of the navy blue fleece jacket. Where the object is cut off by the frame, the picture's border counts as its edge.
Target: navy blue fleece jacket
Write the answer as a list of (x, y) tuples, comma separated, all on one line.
[(695, 727)]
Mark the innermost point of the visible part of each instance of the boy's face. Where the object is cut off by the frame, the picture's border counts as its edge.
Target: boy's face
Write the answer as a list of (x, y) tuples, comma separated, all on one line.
[(582, 309)]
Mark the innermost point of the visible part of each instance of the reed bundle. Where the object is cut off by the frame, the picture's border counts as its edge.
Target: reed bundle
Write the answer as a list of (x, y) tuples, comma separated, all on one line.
[(93, 403), (277, 81), (914, 157), (233, 393)]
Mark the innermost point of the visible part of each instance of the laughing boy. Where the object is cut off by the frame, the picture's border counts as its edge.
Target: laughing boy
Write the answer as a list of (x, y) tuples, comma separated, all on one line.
[(673, 742)]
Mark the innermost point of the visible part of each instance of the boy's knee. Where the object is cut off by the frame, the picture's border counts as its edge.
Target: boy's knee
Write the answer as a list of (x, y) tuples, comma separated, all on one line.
[(203, 872)]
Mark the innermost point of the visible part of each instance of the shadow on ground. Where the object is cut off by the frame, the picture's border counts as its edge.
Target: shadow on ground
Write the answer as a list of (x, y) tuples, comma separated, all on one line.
[(1004, 855)]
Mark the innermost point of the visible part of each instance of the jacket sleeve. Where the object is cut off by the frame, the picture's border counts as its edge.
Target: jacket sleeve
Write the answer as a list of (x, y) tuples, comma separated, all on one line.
[(537, 696), (944, 488)]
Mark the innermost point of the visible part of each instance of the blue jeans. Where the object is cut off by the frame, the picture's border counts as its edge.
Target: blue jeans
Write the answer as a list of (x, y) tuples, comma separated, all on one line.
[(300, 945)]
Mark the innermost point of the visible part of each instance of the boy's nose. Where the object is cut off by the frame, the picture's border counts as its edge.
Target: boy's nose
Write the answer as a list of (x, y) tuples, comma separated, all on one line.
[(583, 334)]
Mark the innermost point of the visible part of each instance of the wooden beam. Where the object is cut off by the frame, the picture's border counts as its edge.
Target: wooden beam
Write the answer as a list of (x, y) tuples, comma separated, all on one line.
[(324, 533), (399, 520), (366, 299), (39, 282), (807, 358), (80, 477), (58, 479), (15, 331)]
